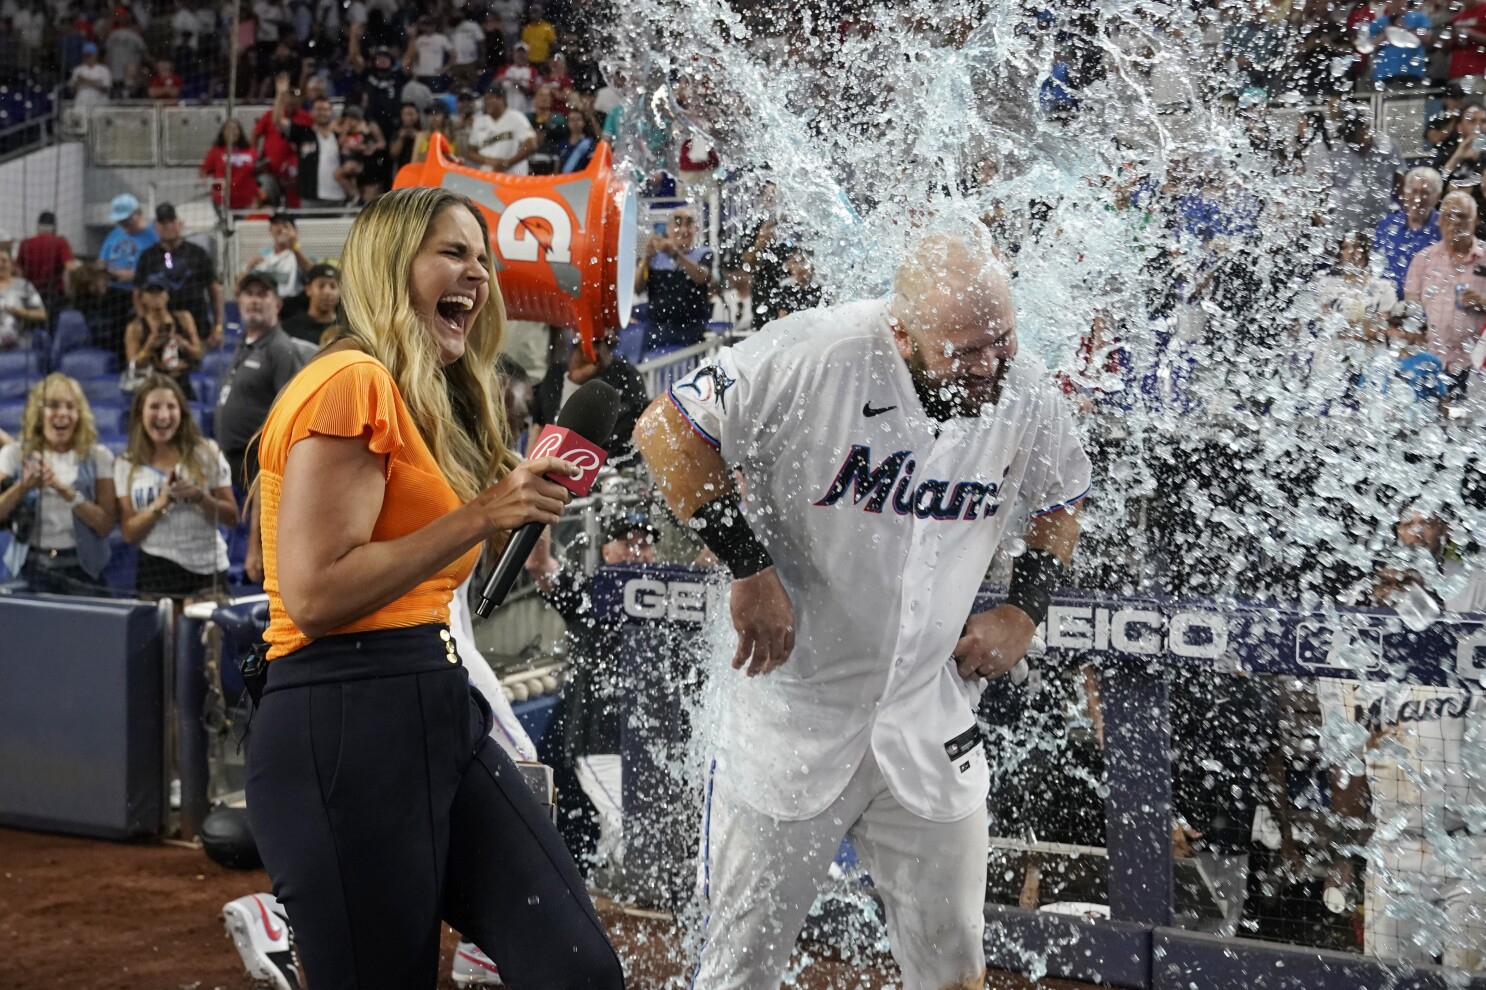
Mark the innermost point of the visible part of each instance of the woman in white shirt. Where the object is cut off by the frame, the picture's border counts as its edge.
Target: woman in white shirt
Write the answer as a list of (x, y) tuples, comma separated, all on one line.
[(175, 489), (1351, 343), (19, 303), (57, 492)]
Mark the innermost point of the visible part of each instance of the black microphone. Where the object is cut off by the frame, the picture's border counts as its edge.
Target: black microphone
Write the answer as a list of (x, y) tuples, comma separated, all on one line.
[(583, 424)]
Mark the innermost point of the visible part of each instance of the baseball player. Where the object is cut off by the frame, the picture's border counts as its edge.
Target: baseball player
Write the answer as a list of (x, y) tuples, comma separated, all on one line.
[(888, 446)]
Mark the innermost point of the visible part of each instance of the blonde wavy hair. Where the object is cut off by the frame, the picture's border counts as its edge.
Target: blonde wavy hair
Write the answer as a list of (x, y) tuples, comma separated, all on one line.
[(197, 454), (33, 422), (459, 407)]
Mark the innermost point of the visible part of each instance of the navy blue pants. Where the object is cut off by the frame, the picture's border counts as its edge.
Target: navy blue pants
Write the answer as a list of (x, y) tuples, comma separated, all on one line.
[(380, 806)]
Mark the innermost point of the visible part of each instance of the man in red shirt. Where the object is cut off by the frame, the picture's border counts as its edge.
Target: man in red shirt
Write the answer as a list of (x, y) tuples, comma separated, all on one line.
[(44, 259), (165, 85), (1468, 32), (279, 152)]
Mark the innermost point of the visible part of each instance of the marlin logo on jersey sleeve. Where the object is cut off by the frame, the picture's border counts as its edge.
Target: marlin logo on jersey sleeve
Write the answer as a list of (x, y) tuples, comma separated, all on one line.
[(893, 478), (707, 384)]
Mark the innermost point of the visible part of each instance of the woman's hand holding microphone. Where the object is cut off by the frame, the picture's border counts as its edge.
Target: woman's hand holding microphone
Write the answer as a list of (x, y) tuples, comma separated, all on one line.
[(526, 496)]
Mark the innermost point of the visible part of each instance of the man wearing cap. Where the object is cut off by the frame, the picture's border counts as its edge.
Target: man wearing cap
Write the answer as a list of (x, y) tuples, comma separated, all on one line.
[(519, 79), (382, 83), (322, 289), (120, 256), (500, 138), (285, 261), (91, 81), (564, 379), (189, 274), (262, 365), (45, 258)]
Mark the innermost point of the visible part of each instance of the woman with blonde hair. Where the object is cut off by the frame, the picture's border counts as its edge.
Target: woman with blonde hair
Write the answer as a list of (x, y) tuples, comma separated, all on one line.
[(57, 492), (174, 488), (378, 801)]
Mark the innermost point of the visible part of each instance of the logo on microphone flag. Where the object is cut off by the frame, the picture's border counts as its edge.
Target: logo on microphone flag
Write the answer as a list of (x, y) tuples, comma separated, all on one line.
[(557, 441)]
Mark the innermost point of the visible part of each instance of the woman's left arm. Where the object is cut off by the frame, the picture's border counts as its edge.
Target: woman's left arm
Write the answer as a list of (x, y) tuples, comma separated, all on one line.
[(192, 342)]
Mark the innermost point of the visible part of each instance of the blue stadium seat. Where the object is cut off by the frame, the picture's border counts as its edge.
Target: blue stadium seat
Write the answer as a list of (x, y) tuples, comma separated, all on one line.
[(88, 362), (15, 389), (216, 362), (113, 440), (632, 342), (206, 388), (19, 364), (203, 413), (71, 333), (10, 416), (122, 567), (103, 391)]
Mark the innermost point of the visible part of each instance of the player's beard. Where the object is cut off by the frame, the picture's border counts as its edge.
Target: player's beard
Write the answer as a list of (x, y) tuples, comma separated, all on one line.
[(947, 398)]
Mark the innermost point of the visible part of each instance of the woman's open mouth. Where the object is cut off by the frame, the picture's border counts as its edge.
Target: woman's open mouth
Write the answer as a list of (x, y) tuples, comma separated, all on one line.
[(455, 311)]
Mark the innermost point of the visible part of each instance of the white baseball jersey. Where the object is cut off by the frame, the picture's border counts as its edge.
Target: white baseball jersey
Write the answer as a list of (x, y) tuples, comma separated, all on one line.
[(882, 522), (1423, 748)]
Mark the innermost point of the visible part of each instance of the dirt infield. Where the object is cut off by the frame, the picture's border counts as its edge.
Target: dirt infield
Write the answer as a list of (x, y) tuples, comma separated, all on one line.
[(78, 914)]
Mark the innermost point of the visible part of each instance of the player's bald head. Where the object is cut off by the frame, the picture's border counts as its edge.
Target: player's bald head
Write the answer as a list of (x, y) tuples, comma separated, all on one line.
[(952, 320), (951, 280)]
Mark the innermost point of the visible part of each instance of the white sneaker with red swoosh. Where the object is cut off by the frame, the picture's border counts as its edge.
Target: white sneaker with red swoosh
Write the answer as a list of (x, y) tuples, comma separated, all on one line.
[(260, 929), (473, 968)]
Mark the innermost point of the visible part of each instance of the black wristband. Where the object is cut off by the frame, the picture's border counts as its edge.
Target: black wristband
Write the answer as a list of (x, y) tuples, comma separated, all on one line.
[(725, 531), (1034, 577)]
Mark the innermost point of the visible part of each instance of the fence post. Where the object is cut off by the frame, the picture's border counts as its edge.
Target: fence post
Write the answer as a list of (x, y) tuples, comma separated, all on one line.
[(1137, 767)]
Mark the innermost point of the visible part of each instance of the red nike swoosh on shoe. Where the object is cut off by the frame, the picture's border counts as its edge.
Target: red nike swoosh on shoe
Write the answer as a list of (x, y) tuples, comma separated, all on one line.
[(273, 933), (479, 962)]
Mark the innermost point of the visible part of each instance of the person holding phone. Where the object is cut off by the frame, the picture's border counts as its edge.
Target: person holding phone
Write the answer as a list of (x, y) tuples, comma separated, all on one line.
[(677, 275), (162, 341)]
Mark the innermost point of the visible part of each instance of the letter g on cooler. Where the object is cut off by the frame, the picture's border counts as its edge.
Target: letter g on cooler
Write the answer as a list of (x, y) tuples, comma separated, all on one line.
[(555, 441)]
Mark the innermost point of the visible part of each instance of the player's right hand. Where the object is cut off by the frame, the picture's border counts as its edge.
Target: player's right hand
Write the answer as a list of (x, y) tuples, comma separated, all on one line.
[(765, 621)]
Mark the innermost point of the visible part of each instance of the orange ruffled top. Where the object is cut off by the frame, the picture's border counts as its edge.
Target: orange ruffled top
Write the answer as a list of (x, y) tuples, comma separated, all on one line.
[(350, 394)]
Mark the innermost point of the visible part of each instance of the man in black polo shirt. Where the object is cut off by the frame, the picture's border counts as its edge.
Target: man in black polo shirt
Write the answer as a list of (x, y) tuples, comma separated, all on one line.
[(190, 276), (265, 361), (563, 380)]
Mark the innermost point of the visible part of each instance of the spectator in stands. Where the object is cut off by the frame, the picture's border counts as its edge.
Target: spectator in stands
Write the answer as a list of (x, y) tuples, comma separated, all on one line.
[(576, 149), (1447, 279), (467, 37), (163, 340), (538, 34), (1354, 306), (557, 81), (1443, 129), (232, 146), (382, 85), (519, 400), (1468, 37), (20, 303), (125, 51), (677, 275), (263, 363), (165, 86), (1404, 233), (405, 137), (519, 80), (798, 290), (44, 259), (551, 129), (189, 272), (91, 81), (466, 108), (284, 261), (438, 123), (174, 490), (120, 256), (1400, 65), (1465, 164), (592, 698), (1362, 171), (564, 379), (322, 288), (360, 142), (428, 52), (57, 492), (317, 147), (501, 139)]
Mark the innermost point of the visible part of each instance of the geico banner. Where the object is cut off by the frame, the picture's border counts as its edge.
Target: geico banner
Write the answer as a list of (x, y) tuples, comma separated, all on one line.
[(1351, 643)]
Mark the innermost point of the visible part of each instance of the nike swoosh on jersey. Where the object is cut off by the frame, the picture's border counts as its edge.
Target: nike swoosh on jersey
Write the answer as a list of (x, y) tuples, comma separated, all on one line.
[(869, 412)]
